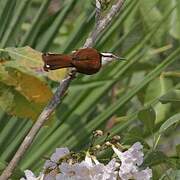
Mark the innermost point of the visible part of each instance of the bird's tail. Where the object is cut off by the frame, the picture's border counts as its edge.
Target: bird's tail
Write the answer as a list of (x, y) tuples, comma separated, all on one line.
[(56, 61)]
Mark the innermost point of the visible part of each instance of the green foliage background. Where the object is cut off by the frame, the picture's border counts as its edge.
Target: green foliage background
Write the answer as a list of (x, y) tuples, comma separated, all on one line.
[(138, 99)]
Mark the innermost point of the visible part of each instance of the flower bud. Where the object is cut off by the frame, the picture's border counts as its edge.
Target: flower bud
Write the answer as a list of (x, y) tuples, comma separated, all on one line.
[(108, 143), (98, 133), (116, 138), (97, 146)]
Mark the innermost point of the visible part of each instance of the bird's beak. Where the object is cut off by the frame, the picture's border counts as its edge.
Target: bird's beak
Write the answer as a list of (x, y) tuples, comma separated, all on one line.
[(112, 56), (119, 58)]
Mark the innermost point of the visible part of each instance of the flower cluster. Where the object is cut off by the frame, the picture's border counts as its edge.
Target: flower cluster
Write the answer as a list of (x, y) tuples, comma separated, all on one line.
[(130, 162), (126, 166)]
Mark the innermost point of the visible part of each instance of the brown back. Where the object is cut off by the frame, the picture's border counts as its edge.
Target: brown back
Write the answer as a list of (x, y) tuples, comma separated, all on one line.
[(87, 60)]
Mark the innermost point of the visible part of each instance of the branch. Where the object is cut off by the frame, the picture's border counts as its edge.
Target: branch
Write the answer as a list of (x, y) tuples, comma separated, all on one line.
[(62, 88), (102, 24)]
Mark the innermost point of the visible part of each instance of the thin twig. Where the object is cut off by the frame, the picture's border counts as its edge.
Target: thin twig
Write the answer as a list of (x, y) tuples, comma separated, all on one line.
[(102, 24), (98, 12), (57, 98)]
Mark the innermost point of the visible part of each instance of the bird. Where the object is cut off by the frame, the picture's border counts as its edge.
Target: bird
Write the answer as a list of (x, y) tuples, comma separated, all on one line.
[(86, 61)]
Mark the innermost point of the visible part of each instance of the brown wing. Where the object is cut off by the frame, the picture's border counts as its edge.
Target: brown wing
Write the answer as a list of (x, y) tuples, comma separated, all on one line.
[(87, 60), (86, 54)]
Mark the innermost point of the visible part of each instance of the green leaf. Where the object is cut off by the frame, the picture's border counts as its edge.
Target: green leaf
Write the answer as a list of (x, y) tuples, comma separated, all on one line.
[(156, 89), (148, 117), (15, 127), (154, 158), (49, 35), (171, 121), (154, 16), (32, 33), (16, 20), (133, 135), (6, 16), (178, 150), (80, 31), (83, 85), (171, 174), (175, 21), (172, 96)]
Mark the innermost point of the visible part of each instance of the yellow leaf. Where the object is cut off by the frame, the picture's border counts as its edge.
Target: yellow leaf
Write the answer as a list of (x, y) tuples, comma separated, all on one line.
[(57, 75), (31, 60)]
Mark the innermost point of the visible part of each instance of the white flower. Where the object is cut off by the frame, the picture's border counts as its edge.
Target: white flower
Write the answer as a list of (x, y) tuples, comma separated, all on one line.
[(58, 154), (65, 177), (92, 169), (109, 171), (135, 152), (68, 169), (49, 177), (89, 169), (130, 160), (83, 170), (133, 155), (96, 170), (127, 171), (50, 165), (30, 176), (145, 174)]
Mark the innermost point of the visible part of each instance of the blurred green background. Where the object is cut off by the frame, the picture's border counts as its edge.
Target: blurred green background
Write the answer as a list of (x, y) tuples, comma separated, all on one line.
[(138, 99)]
